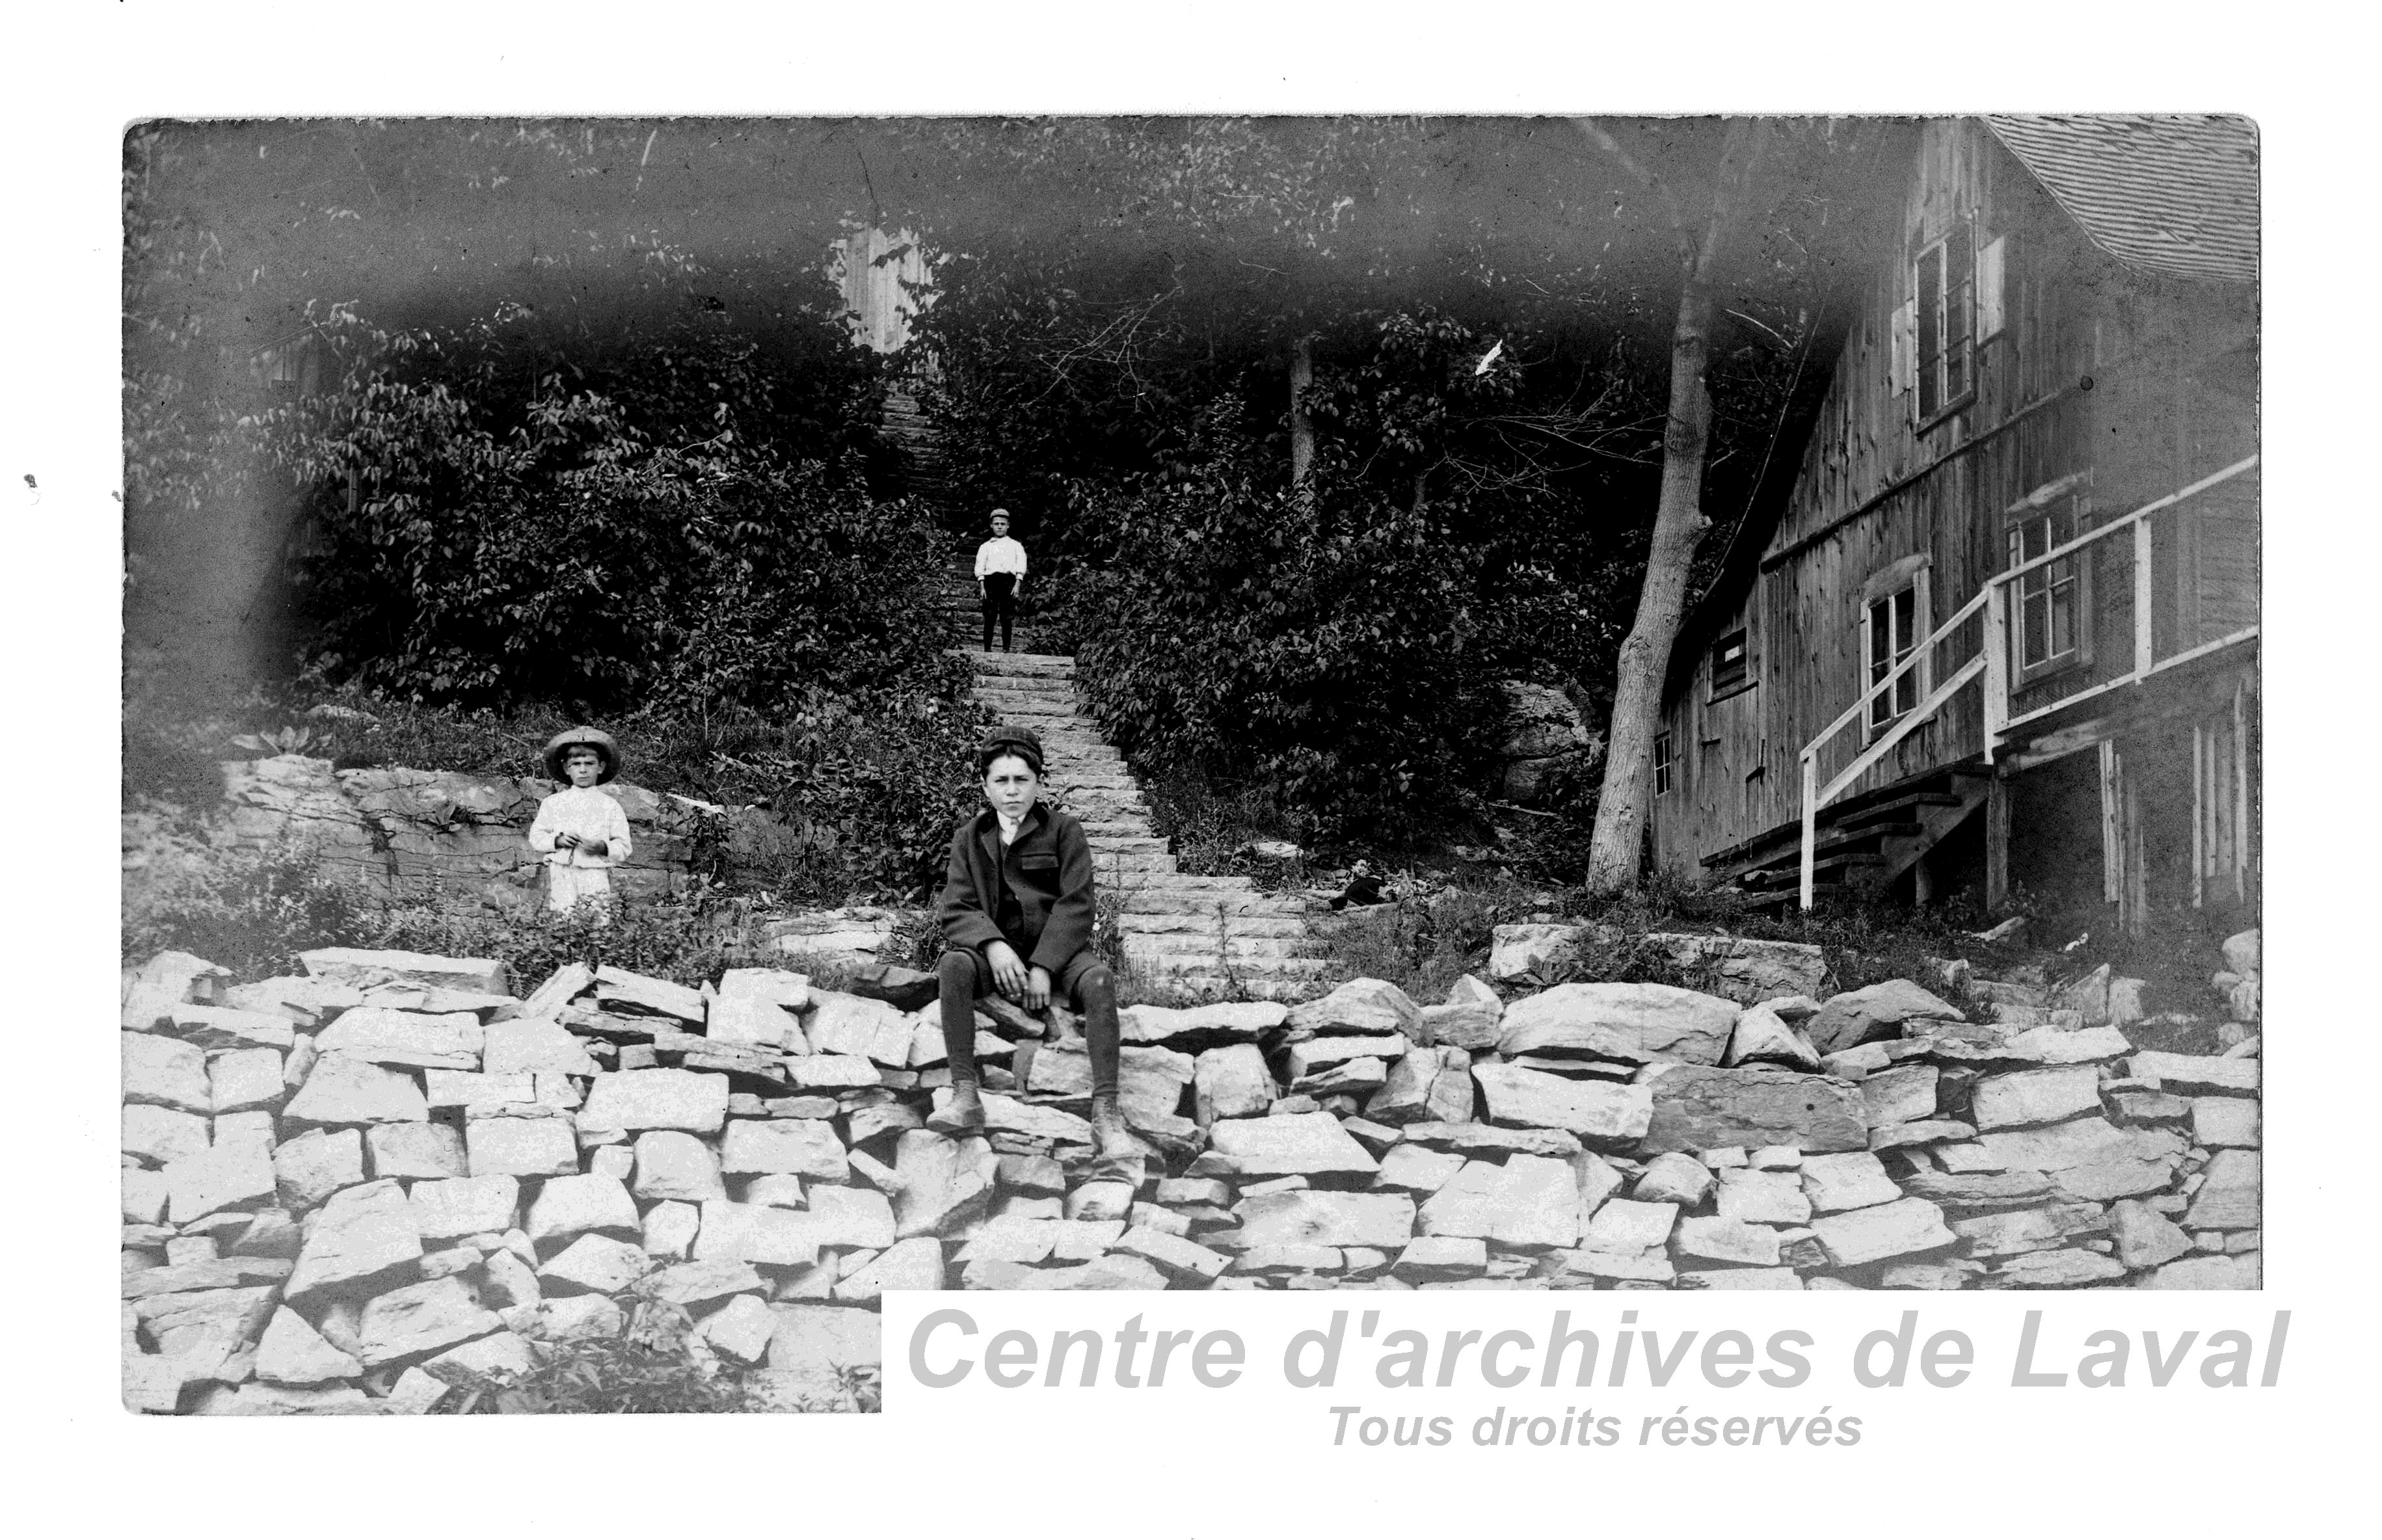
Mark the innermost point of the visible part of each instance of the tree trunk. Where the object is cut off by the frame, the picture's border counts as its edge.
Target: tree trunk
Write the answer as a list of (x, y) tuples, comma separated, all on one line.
[(1302, 427), (1679, 525)]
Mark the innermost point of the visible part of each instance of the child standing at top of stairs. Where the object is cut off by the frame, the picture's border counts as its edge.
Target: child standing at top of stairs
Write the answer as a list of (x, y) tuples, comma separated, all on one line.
[(1000, 579)]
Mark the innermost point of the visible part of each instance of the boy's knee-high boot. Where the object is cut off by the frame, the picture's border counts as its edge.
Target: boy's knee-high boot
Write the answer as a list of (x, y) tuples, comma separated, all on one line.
[(964, 1113), (1103, 1039)]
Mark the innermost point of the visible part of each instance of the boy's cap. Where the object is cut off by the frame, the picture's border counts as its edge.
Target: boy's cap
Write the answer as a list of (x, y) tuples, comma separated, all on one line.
[(581, 737), (1021, 741)]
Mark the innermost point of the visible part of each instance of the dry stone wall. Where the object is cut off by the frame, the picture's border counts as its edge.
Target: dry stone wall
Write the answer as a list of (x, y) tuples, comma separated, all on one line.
[(356, 1189)]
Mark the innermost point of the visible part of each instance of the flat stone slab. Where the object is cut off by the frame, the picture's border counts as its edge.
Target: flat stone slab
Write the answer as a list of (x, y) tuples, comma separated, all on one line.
[(1629, 1023), (857, 1027), (342, 1090), (574, 1205), (1311, 1218), (619, 990), (405, 1039), (1836, 1183), (1361, 1006), (782, 1146), (457, 1206), (360, 1235), (1299, 1145), (1899, 1228), (215, 1028), (418, 1320), (1598, 1110), (365, 966), (2032, 1097), (162, 1072), (1879, 1010), (1470, 1139), (1901, 1095), (1413, 1168), (415, 1149), (1626, 1225), (1764, 1197), (534, 1045), (1697, 1108), (1231, 1080), (2195, 1072), (2079, 1142), (757, 1233), (1721, 1238), (519, 1147), (637, 1099), (1212, 1025)]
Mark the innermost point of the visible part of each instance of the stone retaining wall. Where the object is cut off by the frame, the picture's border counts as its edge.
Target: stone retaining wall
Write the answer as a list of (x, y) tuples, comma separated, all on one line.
[(359, 1188)]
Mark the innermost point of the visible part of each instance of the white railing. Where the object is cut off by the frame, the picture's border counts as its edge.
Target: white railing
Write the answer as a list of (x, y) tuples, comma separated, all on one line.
[(1991, 662)]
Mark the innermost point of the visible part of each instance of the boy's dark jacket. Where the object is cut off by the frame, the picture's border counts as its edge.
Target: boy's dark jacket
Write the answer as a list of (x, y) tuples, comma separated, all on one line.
[(1049, 869)]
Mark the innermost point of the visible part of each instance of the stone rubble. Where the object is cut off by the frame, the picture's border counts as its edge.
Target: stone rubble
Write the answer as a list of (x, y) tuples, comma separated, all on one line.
[(356, 1189)]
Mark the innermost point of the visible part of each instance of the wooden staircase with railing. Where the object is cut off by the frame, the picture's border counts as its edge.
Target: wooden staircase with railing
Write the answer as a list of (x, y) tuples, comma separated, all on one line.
[(1856, 842), (1863, 845)]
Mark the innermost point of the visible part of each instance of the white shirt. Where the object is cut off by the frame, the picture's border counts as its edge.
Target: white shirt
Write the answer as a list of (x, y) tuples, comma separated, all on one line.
[(588, 811), (1001, 554), (1009, 826)]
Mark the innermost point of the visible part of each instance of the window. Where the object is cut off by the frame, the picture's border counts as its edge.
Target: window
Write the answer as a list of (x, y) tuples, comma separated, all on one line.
[(2051, 613), (1944, 286), (1662, 764), (1894, 623), (1954, 303), (1730, 672)]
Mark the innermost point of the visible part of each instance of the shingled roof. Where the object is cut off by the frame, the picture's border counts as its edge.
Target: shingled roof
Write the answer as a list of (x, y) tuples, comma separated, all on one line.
[(2172, 194)]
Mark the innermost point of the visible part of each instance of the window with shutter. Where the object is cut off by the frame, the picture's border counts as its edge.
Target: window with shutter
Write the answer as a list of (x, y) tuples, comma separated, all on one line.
[(1944, 324), (1662, 764)]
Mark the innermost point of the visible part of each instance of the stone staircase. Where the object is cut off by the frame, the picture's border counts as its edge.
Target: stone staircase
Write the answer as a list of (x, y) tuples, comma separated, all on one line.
[(1193, 936)]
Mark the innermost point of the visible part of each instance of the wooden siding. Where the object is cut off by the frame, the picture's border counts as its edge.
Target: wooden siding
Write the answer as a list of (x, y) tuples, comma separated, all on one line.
[(1874, 489)]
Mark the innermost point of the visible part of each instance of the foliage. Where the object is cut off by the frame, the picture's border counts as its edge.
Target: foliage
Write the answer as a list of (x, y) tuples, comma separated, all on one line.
[(498, 520), (650, 1367), (252, 911)]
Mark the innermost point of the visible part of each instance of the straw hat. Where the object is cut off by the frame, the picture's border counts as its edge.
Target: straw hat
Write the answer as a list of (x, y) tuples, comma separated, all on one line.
[(581, 737)]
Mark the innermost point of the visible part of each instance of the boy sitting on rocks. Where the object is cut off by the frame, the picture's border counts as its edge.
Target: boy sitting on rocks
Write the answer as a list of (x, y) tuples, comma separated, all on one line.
[(581, 832), (1016, 915)]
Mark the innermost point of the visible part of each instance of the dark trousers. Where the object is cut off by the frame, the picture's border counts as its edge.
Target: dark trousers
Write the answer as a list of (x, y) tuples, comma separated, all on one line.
[(1086, 979), (1000, 602)]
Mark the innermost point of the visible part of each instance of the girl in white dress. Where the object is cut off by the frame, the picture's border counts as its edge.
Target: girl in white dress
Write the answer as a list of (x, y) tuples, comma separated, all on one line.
[(581, 831)]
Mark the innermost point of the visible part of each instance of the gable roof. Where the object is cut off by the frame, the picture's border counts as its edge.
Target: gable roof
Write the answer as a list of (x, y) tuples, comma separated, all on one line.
[(2172, 194)]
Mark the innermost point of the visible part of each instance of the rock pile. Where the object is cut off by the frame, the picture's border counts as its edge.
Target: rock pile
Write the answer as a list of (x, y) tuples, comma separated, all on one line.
[(351, 1188)]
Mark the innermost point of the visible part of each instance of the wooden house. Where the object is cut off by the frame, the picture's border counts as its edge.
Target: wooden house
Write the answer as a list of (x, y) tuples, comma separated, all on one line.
[(2003, 633)]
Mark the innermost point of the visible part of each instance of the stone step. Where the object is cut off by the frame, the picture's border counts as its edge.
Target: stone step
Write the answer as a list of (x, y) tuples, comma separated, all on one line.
[(1050, 665), (1156, 899), (1134, 922), (1119, 869), (1111, 844), (1236, 949)]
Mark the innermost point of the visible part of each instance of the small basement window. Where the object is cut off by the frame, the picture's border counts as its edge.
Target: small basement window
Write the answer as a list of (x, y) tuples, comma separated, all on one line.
[(1662, 764), (1731, 668)]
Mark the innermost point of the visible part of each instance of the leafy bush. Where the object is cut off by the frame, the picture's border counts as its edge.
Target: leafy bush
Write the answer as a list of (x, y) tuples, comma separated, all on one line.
[(648, 1369), (252, 911), (1325, 647), (499, 522)]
